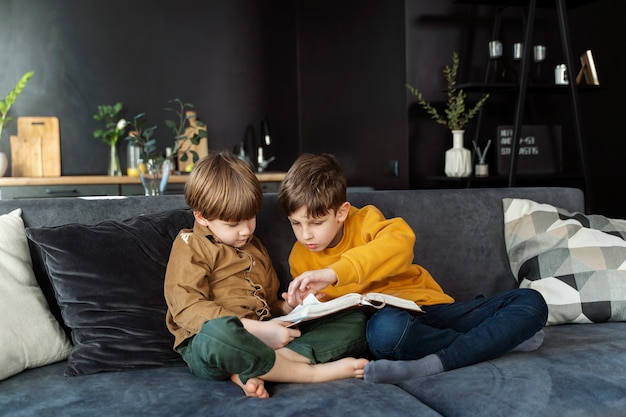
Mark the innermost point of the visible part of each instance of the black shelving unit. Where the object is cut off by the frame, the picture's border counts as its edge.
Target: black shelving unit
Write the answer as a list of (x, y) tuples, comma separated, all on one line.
[(523, 86)]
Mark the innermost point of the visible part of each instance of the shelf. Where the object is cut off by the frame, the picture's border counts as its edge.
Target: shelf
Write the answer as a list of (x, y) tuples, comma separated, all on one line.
[(571, 4), (106, 179), (504, 178), (514, 88)]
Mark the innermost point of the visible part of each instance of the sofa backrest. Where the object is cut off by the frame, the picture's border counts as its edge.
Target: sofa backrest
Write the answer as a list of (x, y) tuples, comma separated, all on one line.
[(460, 235)]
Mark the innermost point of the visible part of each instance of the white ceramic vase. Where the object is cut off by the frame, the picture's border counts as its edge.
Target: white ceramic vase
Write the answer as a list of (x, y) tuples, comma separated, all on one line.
[(4, 164), (458, 158)]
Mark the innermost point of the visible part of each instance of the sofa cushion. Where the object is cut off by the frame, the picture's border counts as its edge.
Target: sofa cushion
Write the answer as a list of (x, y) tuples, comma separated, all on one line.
[(108, 281), (576, 261), (29, 335)]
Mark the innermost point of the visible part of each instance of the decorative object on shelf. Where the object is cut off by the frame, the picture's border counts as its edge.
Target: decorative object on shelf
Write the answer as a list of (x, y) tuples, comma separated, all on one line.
[(588, 69), (539, 149), (189, 133), (154, 166), (154, 174), (4, 163), (539, 59), (458, 158), (455, 117), (539, 53), (133, 155), (560, 75), (262, 162), (5, 105), (113, 127), (481, 169), (518, 51), (495, 49), (495, 57)]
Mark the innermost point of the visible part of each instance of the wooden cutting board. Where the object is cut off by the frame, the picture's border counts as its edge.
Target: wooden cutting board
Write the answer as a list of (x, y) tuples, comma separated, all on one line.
[(26, 156), (47, 129)]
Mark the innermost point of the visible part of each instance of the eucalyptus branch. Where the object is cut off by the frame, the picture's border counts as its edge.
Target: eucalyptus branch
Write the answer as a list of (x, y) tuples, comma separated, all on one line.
[(455, 116)]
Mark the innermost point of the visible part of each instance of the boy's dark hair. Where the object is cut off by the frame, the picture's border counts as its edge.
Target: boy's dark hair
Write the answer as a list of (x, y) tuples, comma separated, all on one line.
[(314, 181), (222, 186)]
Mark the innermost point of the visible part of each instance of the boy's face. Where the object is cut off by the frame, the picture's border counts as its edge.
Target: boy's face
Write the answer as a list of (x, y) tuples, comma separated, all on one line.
[(319, 233), (235, 234)]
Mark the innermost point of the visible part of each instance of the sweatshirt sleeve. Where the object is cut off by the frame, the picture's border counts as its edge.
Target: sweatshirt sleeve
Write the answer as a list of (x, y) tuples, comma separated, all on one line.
[(374, 248)]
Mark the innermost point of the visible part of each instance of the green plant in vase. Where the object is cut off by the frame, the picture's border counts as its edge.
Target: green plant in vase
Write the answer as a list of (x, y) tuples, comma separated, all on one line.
[(10, 98), (188, 134), (455, 116), (113, 127), (5, 105), (154, 168)]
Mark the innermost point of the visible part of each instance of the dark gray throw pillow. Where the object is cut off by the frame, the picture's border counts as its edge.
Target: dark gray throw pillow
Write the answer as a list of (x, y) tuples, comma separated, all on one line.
[(108, 282)]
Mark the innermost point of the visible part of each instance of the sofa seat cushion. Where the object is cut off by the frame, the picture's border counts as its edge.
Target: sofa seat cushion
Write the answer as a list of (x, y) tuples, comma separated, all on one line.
[(29, 335), (577, 371), (175, 392), (108, 282), (576, 261)]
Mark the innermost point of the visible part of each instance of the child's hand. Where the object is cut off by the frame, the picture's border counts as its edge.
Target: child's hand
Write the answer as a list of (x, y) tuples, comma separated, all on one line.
[(310, 282), (273, 333)]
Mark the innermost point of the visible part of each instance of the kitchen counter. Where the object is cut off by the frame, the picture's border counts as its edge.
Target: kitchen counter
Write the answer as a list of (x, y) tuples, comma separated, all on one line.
[(109, 179), (102, 185)]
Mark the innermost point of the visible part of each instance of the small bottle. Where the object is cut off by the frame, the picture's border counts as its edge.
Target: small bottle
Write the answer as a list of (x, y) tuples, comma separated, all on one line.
[(133, 154), (172, 161)]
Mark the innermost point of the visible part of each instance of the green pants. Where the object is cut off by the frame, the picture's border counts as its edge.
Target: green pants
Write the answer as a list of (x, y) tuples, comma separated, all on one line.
[(223, 347)]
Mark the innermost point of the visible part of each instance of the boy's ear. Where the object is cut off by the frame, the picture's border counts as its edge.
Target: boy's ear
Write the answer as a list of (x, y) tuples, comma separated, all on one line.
[(201, 220), (342, 211)]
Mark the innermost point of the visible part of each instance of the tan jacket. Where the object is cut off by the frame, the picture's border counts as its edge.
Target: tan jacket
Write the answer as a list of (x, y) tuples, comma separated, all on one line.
[(206, 279)]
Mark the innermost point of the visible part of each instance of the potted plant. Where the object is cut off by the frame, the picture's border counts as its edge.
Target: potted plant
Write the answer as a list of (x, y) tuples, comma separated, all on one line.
[(188, 135), (5, 105), (455, 117), (155, 166), (113, 127)]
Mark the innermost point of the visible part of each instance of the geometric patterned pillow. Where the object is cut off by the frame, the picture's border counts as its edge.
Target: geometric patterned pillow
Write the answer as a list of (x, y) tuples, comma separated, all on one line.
[(576, 261)]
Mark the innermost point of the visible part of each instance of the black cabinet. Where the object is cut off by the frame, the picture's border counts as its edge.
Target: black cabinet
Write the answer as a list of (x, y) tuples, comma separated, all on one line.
[(523, 85)]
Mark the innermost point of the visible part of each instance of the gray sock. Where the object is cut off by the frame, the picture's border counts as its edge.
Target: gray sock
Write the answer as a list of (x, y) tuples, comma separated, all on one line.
[(391, 372), (531, 343)]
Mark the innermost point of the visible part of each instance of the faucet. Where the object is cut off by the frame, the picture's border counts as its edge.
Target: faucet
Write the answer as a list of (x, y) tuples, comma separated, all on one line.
[(262, 163)]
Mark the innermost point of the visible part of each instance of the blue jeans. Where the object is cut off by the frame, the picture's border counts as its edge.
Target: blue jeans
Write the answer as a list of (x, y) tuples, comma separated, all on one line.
[(460, 334)]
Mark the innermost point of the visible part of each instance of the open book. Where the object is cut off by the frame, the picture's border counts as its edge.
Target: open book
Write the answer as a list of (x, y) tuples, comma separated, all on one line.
[(312, 308)]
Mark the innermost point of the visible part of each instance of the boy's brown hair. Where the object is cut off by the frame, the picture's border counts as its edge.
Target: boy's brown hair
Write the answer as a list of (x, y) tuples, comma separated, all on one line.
[(222, 186), (314, 181)]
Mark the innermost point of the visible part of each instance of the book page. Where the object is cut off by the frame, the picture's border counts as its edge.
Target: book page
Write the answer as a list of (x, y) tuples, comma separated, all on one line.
[(313, 308)]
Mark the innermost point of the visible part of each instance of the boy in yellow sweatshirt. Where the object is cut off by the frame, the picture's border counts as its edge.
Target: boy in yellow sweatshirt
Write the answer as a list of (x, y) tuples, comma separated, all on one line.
[(342, 249)]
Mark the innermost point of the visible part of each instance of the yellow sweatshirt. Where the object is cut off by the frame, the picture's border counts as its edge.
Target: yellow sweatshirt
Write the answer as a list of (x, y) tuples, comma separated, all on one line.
[(375, 254)]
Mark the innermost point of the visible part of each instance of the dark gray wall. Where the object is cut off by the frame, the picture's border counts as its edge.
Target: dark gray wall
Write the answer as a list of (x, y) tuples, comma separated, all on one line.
[(235, 60), (329, 75), (351, 98)]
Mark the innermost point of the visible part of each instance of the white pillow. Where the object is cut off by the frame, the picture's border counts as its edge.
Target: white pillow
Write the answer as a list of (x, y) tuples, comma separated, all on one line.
[(576, 261), (30, 336)]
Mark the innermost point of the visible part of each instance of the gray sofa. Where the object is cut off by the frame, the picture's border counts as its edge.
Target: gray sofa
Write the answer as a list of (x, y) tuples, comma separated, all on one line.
[(579, 371)]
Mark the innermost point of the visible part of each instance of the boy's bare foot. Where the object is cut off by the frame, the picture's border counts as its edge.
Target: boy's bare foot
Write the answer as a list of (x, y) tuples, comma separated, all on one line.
[(340, 369), (254, 387)]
